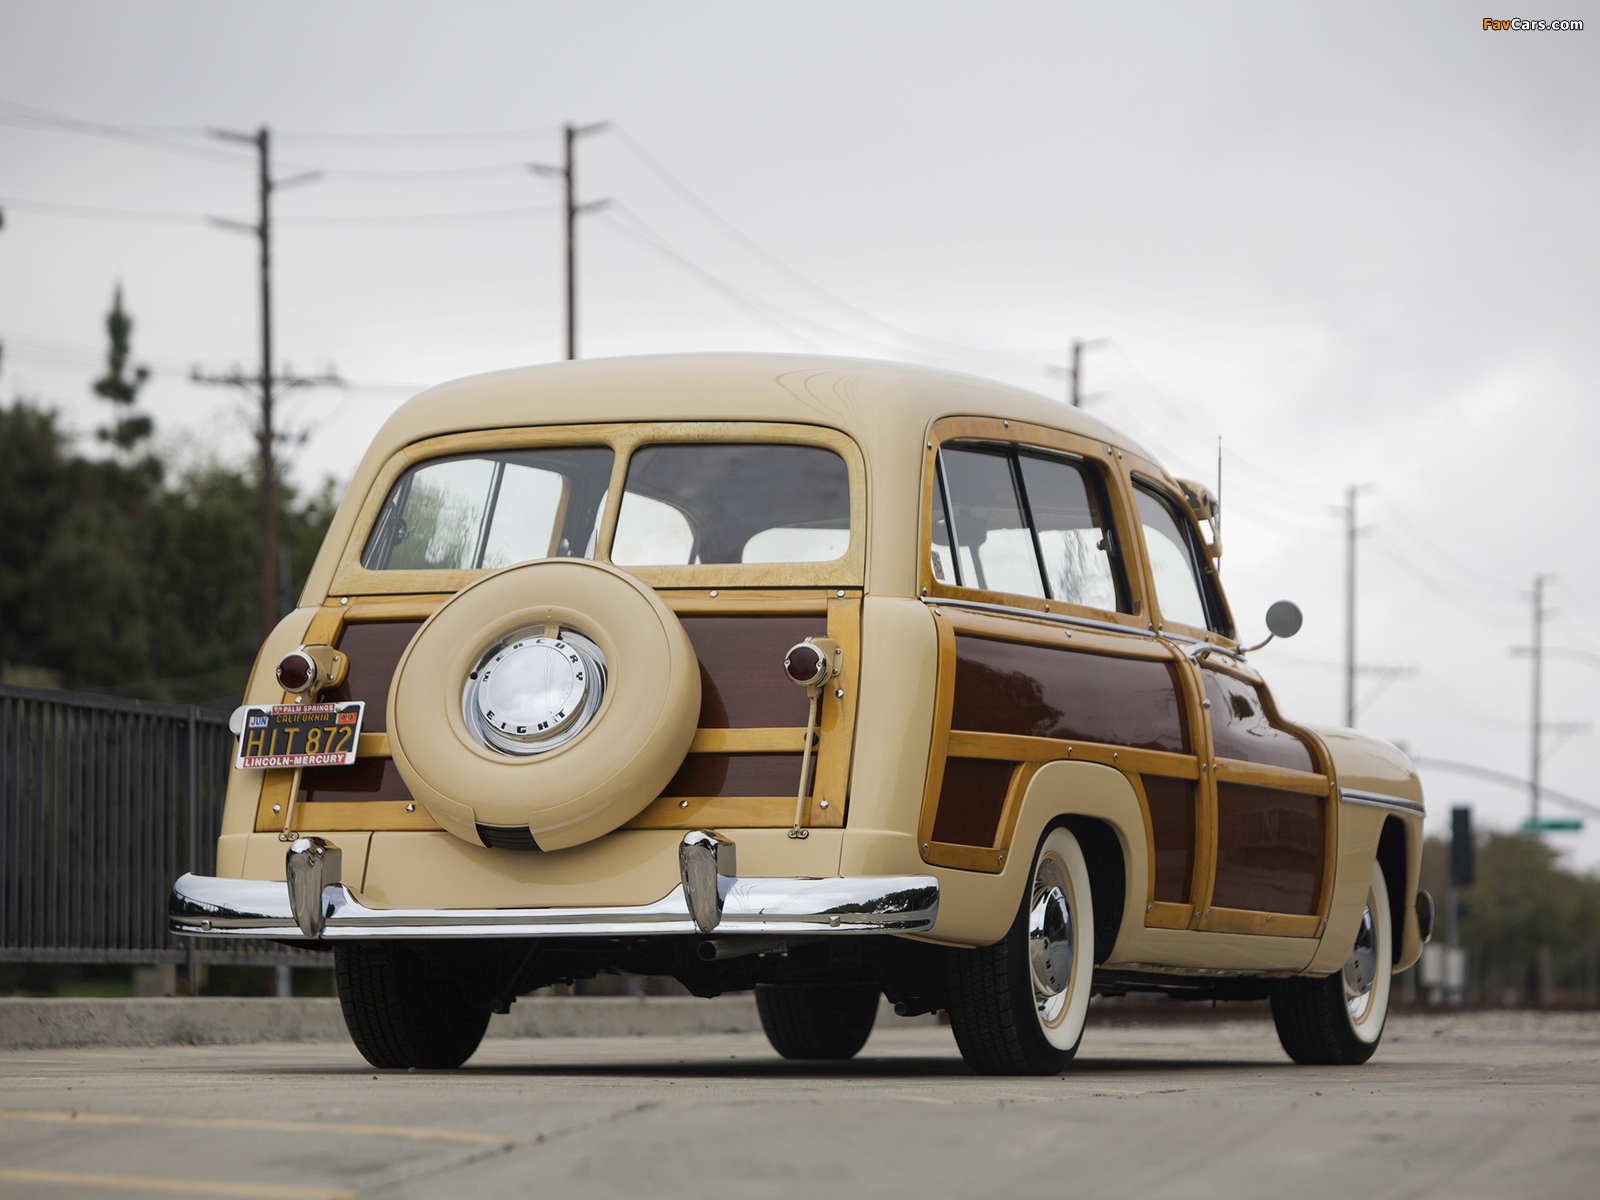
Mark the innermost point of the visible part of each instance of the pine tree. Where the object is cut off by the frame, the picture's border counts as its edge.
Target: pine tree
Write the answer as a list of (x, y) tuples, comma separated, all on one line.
[(128, 428)]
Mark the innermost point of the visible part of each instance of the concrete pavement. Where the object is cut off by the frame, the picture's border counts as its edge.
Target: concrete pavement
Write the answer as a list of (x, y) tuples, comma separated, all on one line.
[(1490, 1105)]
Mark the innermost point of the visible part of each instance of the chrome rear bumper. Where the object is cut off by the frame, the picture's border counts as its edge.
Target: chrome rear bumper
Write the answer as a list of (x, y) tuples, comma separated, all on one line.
[(209, 907)]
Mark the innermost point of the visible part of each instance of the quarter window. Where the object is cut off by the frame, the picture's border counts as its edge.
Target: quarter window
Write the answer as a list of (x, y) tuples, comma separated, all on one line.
[(1172, 561), (1034, 524), (492, 510)]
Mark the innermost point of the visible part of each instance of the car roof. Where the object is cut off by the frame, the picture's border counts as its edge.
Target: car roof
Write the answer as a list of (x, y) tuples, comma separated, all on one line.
[(886, 407), (869, 399)]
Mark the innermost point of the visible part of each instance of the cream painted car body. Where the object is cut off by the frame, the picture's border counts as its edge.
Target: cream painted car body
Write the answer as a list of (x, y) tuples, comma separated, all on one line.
[(886, 738)]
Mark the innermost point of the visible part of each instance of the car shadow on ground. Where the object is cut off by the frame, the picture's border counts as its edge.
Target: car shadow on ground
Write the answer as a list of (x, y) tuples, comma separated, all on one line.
[(862, 1068)]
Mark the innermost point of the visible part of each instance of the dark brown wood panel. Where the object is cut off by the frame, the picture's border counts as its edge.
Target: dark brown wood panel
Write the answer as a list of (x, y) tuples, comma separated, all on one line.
[(364, 779), (739, 775), (1269, 849), (742, 684), (971, 800), (374, 648), (1040, 691), (1172, 828), (1241, 728)]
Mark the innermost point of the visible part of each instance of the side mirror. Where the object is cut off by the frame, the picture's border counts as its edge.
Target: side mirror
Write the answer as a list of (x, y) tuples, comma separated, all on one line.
[(1284, 619)]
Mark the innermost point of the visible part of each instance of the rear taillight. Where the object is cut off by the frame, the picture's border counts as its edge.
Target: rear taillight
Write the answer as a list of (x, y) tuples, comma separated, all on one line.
[(297, 672), (805, 665)]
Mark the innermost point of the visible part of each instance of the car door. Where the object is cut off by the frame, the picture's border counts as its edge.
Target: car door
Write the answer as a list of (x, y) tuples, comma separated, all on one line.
[(1267, 826), (1047, 649)]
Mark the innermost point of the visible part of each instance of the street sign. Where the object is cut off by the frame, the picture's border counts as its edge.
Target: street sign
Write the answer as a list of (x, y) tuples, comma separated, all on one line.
[(1552, 825)]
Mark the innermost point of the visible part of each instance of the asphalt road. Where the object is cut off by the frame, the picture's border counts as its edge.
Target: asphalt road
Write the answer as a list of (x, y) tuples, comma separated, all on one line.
[(1496, 1105)]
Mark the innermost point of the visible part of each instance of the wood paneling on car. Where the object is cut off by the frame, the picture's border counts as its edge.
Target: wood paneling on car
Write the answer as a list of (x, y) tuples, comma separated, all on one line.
[(1039, 691), (972, 799), (1172, 820), (742, 684), (374, 649), (1242, 729), (364, 779), (738, 775), (1269, 849)]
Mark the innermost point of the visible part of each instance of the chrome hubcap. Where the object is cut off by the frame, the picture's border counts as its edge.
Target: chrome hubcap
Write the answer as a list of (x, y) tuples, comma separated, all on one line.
[(1361, 968), (532, 693), (1050, 940)]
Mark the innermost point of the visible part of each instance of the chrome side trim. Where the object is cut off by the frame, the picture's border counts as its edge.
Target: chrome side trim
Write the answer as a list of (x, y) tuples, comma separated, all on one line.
[(209, 907), (1060, 618), (1409, 808)]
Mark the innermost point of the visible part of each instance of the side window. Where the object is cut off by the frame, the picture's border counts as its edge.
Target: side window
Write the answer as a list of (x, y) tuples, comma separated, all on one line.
[(994, 546), (491, 510), (1030, 523), (1077, 540), (1172, 560)]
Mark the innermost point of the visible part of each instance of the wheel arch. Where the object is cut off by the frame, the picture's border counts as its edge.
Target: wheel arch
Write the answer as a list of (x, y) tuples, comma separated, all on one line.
[(1392, 859), (1099, 806)]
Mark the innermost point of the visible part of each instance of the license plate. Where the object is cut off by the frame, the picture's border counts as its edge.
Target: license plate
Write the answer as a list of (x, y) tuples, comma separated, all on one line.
[(300, 735)]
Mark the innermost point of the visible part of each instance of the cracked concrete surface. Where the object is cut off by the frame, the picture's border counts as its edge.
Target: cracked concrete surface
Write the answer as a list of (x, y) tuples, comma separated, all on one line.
[(1489, 1105)]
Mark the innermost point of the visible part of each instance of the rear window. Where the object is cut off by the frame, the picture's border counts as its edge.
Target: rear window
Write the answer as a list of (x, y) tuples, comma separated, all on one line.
[(689, 503), (492, 510)]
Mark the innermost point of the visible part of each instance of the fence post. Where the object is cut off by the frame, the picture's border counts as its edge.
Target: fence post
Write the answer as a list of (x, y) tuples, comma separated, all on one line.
[(191, 837)]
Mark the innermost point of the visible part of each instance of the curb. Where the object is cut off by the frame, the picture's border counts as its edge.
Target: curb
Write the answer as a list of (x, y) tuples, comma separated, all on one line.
[(219, 1020)]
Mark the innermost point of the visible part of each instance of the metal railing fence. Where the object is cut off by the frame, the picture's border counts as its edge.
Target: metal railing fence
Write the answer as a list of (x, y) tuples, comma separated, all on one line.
[(103, 803)]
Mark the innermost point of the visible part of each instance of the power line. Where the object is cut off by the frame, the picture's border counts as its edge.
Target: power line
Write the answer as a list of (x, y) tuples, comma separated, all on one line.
[(722, 287), (655, 166), (419, 174), (32, 118), (1395, 511), (27, 347), (1185, 414), (373, 220), (61, 121), (1438, 586), (94, 212), (480, 137), (1504, 779)]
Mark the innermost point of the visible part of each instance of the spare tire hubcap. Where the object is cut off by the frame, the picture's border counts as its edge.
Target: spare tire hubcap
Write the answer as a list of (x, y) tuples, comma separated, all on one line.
[(530, 694)]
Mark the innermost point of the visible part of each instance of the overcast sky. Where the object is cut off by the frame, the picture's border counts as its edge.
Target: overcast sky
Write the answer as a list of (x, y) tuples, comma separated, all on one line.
[(1358, 242)]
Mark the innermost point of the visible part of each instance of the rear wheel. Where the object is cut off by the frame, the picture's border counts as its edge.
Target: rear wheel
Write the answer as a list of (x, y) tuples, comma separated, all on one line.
[(403, 1011), (829, 1021), (1018, 1007), (1337, 1020)]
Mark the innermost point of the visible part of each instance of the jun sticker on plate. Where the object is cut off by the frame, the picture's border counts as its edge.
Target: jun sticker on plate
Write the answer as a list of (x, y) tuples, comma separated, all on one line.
[(300, 735)]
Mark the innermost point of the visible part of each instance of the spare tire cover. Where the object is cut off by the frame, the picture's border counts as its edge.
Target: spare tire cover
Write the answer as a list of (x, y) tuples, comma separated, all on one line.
[(557, 696)]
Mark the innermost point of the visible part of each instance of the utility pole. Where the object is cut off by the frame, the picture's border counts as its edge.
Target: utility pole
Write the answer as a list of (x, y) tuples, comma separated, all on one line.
[(1353, 669), (1537, 728), (1351, 534), (266, 436), (567, 172), (1075, 372)]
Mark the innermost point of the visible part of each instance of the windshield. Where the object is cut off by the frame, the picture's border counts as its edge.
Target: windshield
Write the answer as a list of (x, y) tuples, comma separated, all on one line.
[(492, 510), (729, 503)]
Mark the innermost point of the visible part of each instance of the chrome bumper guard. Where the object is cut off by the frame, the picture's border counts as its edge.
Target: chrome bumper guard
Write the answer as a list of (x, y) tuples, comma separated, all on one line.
[(710, 897)]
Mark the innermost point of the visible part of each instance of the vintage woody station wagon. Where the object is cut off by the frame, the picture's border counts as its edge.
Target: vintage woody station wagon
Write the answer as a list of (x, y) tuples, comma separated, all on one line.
[(823, 677)]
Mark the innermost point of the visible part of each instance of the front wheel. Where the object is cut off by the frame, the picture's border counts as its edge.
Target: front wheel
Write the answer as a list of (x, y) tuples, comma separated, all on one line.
[(1018, 1007), (1337, 1020), (405, 1011)]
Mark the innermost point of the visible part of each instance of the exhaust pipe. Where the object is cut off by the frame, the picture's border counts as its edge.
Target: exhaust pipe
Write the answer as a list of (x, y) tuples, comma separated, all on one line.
[(716, 949)]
